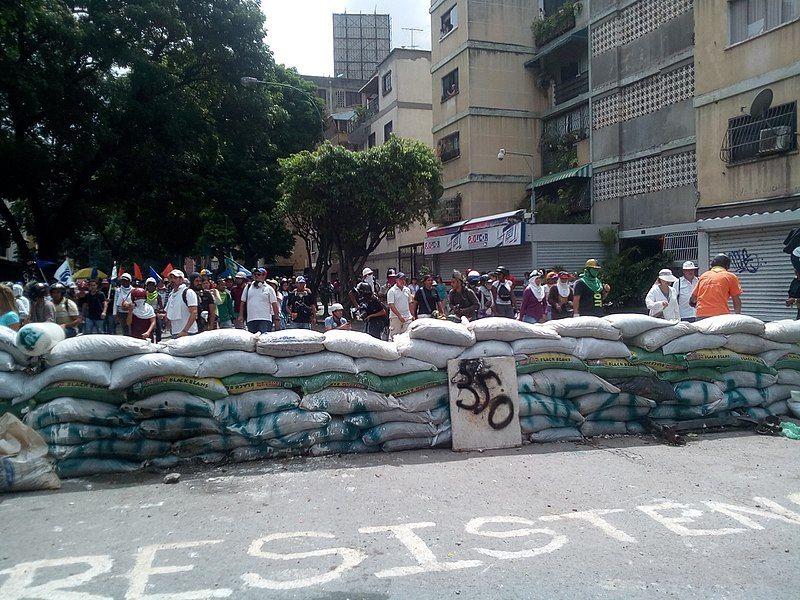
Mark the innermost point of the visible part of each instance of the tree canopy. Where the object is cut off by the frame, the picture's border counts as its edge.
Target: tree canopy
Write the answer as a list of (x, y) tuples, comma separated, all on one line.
[(346, 202), (124, 130)]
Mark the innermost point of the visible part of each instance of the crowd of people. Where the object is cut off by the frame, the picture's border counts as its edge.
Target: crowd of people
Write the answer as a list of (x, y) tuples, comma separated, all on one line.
[(181, 305)]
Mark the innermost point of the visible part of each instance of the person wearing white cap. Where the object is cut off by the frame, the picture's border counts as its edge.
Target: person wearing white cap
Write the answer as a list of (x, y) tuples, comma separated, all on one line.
[(399, 300), (662, 300), (336, 320), (181, 306), (122, 302), (260, 304), (302, 306), (684, 288)]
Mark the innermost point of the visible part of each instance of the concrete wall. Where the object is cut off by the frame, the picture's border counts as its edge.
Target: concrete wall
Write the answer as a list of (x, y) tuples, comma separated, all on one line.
[(508, 21)]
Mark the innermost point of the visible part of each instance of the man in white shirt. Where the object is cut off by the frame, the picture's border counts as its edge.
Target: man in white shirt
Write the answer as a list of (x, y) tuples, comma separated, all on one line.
[(122, 302), (260, 302), (399, 299), (181, 306), (684, 288), (503, 301)]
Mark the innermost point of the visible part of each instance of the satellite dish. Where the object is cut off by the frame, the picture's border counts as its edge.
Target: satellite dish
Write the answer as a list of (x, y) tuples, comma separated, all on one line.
[(761, 104)]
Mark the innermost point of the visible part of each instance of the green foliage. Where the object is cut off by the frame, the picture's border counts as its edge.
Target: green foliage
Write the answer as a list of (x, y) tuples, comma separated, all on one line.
[(609, 236), (631, 274), (546, 28), (346, 202)]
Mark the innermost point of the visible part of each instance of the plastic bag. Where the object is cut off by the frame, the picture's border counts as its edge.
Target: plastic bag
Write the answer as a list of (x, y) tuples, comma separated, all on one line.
[(24, 464), (359, 345)]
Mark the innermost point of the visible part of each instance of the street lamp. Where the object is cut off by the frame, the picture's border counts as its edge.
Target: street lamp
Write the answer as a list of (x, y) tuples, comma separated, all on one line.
[(251, 82), (501, 154)]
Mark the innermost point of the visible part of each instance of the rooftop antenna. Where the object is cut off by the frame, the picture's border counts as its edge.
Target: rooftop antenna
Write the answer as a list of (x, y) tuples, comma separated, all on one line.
[(412, 30)]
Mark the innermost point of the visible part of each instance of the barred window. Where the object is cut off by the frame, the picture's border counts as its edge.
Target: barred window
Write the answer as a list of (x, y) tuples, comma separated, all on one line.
[(449, 147)]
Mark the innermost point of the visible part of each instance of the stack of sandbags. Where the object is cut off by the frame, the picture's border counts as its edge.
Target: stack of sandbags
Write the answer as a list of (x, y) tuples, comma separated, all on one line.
[(12, 380)]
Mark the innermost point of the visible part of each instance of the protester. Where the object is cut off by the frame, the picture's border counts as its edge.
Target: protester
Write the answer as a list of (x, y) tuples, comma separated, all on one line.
[(463, 301), (42, 309), (662, 299), (368, 277), (560, 296), (534, 300), (224, 304), (93, 309), (155, 299), (302, 306), (589, 292), (207, 309), (260, 304), (483, 293), (413, 287), (372, 311), (426, 300), (122, 302), (181, 306), (441, 290), (399, 299), (794, 293), (391, 279), (336, 320), (141, 317), (9, 317), (684, 288), (503, 301), (66, 310), (236, 293), (22, 303), (715, 287), (283, 300)]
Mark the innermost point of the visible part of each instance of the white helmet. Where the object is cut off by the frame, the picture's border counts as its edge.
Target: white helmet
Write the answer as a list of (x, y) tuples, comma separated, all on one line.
[(336, 306), (366, 271)]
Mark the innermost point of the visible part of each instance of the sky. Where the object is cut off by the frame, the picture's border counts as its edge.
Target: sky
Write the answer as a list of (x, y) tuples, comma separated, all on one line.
[(300, 32)]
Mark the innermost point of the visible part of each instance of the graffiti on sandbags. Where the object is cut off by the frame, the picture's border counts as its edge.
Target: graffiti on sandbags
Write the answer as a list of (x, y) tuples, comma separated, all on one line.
[(744, 261), (473, 378)]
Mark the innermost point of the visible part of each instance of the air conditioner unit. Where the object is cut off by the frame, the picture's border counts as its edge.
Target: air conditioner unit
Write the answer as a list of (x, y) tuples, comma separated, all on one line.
[(774, 139)]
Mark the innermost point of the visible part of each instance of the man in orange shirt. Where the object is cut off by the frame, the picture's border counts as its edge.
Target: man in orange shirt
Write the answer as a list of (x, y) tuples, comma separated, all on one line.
[(715, 287)]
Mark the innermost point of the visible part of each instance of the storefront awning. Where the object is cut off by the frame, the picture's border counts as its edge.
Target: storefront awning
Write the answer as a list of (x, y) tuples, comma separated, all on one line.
[(504, 229), (584, 171)]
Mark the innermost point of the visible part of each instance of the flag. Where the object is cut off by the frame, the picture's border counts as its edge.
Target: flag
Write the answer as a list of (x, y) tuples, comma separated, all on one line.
[(44, 263), (154, 274), (167, 270), (94, 272), (234, 267), (137, 272), (114, 273), (64, 273)]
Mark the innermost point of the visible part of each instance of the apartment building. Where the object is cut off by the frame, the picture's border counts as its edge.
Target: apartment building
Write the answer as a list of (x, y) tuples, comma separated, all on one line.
[(747, 64)]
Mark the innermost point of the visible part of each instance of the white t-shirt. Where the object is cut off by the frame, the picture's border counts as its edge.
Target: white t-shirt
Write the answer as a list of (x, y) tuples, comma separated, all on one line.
[(401, 298), (121, 295), (259, 302), (684, 290), (496, 285), (178, 310)]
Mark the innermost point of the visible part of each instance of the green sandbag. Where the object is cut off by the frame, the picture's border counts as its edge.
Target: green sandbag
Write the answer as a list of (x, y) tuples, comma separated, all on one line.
[(80, 433), (250, 382), (239, 384), (208, 388), (532, 363), (716, 358), (618, 368), (658, 361), (678, 412), (699, 374), (531, 404), (790, 361), (538, 423), (399, 385), (620, 413), (78, 389), (749, 362)]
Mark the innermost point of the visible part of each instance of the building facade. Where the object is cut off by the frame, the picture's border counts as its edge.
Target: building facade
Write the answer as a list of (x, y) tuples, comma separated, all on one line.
[(360, 43), (747, 64)]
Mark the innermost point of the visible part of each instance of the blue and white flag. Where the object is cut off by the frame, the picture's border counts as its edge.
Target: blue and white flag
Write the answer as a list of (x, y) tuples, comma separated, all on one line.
[(64, 273)]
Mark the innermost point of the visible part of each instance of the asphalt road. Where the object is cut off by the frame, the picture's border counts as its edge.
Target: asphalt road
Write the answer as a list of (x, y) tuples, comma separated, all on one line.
[(617, 518)]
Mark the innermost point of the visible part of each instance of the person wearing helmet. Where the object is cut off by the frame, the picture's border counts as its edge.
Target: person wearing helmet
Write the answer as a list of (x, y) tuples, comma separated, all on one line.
[(371, 310), (67, 314), (589, 292), (715, 287), (503, 301), (141, 316), (42, 309), (336, 320), (399, 299)]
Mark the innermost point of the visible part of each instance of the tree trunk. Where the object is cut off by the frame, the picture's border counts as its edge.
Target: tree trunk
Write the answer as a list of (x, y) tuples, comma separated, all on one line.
[(16, 232)]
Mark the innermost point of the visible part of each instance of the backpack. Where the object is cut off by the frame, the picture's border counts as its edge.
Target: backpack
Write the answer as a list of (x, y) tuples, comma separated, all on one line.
[(503, 292)]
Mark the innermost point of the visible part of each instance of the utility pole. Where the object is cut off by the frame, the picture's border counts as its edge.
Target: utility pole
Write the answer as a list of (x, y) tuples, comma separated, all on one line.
[(412, 30)]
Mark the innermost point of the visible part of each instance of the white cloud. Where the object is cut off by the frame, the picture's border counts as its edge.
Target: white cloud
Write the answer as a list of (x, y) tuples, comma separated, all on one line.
[(300, 32)]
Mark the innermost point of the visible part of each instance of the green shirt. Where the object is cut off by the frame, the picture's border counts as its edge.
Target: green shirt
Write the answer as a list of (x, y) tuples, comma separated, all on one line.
[(225, 308)]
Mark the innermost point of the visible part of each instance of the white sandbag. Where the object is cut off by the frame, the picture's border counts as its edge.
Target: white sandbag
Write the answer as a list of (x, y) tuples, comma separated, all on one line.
[(429, 352), (621, 413), (564, 383), (556, 434), (599, 401), (694, 342), (770, 357), (335, 431), (122, 449), (8, 363), (209, 342), (592, 349), (789, 377), (232, 362), (696, 393), (8, 343), (390, 368), (793, 404), (359, 345), (747, 343), (344, 401), (728, 324), (24, 464), (280, 424), (565, 345), (314, 364), (656, 338), (37, 339), (536, 423), (95, 372), (427, 399), (786, 331), (508, 330), (397, 431), (169, 404), (441, 332), (12, 385), (72, 410), (778, 392), (631, 325), (98, 347), (488, 348), (290, 342), (213, 442), (80, 433), (780, 408), (443, 439), (132, 369), (241, 407), (579, 327), (367, 420), (82, 467), (747, 379), (594, 428)]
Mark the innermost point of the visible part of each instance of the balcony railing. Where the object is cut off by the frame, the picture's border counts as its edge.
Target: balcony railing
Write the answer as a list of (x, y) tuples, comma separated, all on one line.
[(571, 88), (548, 28), (365, 117)]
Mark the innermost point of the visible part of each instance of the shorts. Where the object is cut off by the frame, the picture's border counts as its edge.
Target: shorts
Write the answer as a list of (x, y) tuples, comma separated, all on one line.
[(396, 327)]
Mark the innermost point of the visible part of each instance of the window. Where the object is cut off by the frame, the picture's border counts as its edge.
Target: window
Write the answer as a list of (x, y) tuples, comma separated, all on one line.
[(391, 233), (387, 131), (449, 147), (450, 85), (748, 138), (353, 98), (449, 22), (371, 140), (386, 83), (749, 18)]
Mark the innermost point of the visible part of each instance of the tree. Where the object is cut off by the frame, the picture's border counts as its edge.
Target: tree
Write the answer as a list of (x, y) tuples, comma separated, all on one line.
[(346, 201), (127, 118)]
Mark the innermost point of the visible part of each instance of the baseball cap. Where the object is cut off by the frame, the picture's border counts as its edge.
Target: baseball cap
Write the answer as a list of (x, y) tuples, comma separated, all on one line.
[(149, 280), (125, 276), (391, 273), (666, 275), (400, 275), (177, 273), (300, 279), (689, 265), (366, 271), (241, 275), (592, 264)]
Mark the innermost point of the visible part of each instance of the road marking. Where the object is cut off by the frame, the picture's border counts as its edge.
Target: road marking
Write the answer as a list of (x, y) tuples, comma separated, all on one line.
[(595, 517), (19, 584), (688, 515), (474, 527)]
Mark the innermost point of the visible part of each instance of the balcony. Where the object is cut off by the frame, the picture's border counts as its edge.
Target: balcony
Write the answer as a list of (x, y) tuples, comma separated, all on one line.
[(571, 88), (548, 28), (363, 116)]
